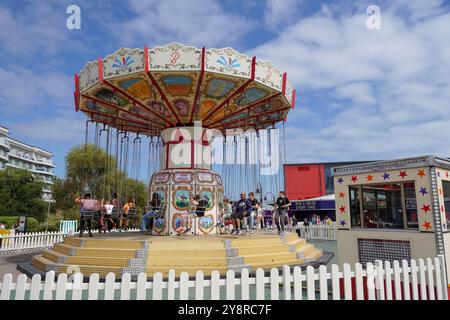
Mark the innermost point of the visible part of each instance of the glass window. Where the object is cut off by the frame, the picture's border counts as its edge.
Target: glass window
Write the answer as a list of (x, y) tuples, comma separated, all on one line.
[(446, 190), (383, 206), (411, 206), (329, 183), (370, 208), (355, 212)]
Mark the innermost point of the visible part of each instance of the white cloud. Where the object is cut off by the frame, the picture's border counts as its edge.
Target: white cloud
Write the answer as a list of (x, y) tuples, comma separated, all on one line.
[(62, 127), (25, 90), (280, 12), (197, 22), (392, 85)]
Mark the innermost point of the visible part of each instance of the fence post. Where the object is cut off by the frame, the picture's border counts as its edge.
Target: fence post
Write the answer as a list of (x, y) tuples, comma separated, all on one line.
[(230, 294), (6, 286), (443, 276), (125, 287), (48, 286), (109, 286), (359, 281), (141, 286), (199, 283), (215, 285), (437, 270), (431, 295), (397, 281), (414, 283), (405, 270), (20, 287), (245, 284), (323, 282), (310, 283), (274, 284), (93, 286), (171, 285), (61, 287), (370, 281), (260, 284), (347, 282), (423, 281), (298, 294), (287, 282), (157, 286), (184, 286), (379, 285), (335, 281), (35, 287)]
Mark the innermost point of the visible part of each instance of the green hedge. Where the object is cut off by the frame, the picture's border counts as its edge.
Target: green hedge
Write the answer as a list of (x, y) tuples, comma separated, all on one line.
[(9, 221)]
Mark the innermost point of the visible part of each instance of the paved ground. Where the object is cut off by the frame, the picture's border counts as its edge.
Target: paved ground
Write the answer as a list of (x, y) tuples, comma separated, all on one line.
[(8, 262)]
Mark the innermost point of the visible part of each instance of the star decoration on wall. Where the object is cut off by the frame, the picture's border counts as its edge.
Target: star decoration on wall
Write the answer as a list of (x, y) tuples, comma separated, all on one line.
[(403, 174), (423, 191), (354, 178), (340, 180), (427, 225), (446, 174), (444, 226), (438, 174), (442, 209), (342, 223), (426, 208), (440, 191), (369, 177), (341, 194), (342, 209), (386, 176), (421, 173)]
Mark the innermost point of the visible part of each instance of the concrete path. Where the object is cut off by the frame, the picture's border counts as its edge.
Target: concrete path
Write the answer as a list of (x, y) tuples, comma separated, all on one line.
[(8, 262)]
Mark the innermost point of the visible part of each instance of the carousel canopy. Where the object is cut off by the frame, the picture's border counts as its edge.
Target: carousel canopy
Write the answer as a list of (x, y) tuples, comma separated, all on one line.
[(150, 89)]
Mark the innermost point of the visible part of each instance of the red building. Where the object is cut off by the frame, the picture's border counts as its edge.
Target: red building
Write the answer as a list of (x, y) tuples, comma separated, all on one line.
[(310, 180)]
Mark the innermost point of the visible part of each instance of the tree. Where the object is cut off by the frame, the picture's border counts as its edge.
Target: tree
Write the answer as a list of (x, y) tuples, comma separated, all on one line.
[(21, 194), (91, 169)]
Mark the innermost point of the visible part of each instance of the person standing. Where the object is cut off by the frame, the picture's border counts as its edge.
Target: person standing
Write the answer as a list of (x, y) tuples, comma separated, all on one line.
[(126, 209), (87, 212), (107, 219), (281, 206), (255, 207), (242, 208)]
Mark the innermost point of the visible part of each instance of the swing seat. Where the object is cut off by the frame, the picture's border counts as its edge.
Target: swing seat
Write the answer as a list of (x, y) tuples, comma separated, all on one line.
[(87, 214), (131, 214), (115, 214)]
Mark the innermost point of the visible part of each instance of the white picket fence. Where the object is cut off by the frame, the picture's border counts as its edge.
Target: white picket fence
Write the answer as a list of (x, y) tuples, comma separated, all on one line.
[(319, 232), (35, 240), (424, 280)]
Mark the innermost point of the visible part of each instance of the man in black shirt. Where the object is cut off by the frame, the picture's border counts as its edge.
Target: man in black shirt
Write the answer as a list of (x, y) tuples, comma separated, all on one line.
[(241, 208), (281, 207)]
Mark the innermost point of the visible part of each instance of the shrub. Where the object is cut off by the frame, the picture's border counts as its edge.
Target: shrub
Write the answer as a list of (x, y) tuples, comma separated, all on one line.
[(9, 221)]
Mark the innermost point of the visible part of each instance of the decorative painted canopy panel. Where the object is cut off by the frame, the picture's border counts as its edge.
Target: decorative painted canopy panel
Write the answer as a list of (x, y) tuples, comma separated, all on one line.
[(150, 89)]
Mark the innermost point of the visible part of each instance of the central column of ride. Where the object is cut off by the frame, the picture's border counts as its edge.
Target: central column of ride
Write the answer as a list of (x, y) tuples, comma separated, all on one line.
[(185, 172)]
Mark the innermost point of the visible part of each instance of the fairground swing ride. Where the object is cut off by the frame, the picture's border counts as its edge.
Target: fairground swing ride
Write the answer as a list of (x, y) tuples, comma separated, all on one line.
[(175, 99)]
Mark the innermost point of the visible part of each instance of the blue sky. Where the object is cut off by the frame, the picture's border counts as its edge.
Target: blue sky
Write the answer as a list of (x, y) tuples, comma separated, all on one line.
[(362, 94)]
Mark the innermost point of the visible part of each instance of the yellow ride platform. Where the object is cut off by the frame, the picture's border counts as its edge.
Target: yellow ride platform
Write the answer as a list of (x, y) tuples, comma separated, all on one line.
[(135, 253)]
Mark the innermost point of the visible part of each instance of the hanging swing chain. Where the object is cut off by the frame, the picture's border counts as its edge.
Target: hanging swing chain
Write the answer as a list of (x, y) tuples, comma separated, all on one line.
[(106, 159), (83, 180)]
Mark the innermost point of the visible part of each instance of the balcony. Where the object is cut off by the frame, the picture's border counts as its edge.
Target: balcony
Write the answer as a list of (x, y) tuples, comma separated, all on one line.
[(46, 162), (4, 143), (43, 171), (4, 156)]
